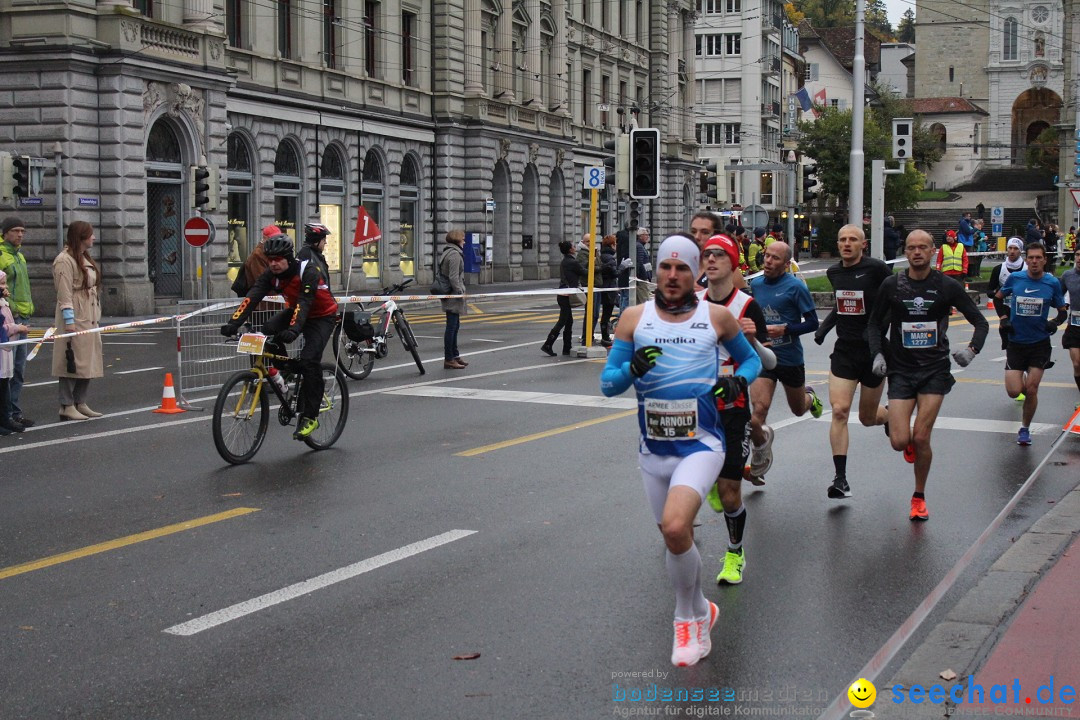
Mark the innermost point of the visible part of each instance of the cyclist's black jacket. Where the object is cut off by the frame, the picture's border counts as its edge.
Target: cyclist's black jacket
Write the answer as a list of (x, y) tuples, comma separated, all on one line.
[(903, 300), (858, 285), (305, 285)]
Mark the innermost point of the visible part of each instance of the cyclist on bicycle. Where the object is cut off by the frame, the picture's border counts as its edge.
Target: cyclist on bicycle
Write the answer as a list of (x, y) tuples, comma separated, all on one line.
[(311, 310)]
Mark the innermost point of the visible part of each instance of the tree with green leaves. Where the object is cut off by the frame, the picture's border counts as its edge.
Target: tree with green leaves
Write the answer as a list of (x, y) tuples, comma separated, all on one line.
[(1043, 152), (827, 13), (877, 19), (827, 141), (905, 31)]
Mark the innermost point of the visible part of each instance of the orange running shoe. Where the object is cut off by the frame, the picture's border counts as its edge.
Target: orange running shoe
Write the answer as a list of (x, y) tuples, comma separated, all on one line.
[(704, 628), (909, 453), (918, 510)]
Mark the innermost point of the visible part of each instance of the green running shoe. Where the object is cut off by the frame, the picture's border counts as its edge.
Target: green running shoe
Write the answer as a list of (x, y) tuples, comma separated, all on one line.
[(713, 496), (815, 402), (304, 428), (734, 562)]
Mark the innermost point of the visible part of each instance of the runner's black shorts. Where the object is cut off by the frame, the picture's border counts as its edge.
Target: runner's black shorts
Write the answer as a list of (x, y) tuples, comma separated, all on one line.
[(908, 384), (1071, 338), (852, 361), (1021, 356), (793, 376), (736, 422)]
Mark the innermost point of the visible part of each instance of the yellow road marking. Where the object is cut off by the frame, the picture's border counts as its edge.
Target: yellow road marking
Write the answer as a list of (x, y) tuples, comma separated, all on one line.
[(541, 435), (122, 542), (989, 381)]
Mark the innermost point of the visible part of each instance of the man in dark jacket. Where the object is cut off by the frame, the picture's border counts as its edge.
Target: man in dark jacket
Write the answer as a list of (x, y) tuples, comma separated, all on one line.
[(892, 238), (609, 276), (452, 266)]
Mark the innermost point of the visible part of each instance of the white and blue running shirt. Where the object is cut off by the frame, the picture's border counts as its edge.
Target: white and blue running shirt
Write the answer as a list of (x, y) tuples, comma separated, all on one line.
[(677, 411)]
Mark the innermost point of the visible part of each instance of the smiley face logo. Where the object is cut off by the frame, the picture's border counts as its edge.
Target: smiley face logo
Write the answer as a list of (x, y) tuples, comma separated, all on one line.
[(862, 693)]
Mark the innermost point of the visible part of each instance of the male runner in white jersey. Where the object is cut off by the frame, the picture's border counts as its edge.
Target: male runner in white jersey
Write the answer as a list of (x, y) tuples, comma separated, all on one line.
[(720, 257), (671, 350), (855, 281)]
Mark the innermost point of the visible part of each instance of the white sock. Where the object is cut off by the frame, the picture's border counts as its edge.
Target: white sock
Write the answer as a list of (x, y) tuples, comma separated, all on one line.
[(684, 572)]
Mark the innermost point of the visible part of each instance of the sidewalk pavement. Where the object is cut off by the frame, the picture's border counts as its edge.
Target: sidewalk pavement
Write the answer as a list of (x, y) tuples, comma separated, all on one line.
[(1018, 627)]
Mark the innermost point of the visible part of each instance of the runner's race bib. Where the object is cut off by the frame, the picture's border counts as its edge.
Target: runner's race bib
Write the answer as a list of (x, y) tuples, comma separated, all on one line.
[(1028, 306), (918, 335), (850, 302), (670, 419), (1074, 318)]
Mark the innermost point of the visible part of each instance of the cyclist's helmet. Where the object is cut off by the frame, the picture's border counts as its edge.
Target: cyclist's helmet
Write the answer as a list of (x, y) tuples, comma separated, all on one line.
[(278, 246), (314, 233)]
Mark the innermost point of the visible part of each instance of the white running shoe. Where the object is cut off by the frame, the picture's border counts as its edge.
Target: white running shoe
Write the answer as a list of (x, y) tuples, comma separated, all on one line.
[(761, 456), (685, 649), (704, 628)]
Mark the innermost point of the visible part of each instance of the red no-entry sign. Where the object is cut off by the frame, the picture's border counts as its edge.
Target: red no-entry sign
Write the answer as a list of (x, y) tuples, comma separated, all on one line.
[(198, 231)]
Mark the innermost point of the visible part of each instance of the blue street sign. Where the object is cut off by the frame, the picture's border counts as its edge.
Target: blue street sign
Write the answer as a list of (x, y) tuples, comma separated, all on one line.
[(30, 201), (998, 228), (88, 202)]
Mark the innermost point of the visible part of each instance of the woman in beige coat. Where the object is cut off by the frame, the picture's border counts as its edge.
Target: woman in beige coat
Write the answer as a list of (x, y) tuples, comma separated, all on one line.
[(78, 359)]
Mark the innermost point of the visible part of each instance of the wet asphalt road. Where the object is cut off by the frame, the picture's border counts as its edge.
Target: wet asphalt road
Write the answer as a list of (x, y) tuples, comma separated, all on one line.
[(560, 588)]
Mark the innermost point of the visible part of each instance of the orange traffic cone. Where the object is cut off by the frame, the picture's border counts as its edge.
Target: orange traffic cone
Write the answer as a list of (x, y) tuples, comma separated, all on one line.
[(168, 398), (990, 303), (1072, 425)]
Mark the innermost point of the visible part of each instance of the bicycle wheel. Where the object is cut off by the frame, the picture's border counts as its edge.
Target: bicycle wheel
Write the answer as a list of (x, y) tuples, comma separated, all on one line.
[(408, 339), (333, 409), (351, 355), (241, 414)]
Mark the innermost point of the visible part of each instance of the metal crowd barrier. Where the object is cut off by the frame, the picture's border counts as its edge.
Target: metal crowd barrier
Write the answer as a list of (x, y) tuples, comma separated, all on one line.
[(204, 359)]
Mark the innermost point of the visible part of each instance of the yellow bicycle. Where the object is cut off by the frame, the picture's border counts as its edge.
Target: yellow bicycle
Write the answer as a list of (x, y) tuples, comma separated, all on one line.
[(242, 409)]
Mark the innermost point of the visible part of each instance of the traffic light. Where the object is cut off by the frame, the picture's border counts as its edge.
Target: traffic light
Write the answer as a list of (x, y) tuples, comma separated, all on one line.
[(200, 185), (709, 179), (619, 163), (644, 163), (214, 193), (635, 213), (20, 176), (809, 182), (901, 138), (7, 181)]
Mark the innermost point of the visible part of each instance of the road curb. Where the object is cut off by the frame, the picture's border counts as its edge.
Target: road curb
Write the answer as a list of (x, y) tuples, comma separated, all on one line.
[(967, 636)]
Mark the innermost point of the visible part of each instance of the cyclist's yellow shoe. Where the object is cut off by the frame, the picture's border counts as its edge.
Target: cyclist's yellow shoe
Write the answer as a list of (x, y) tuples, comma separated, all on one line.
[(304, 427)]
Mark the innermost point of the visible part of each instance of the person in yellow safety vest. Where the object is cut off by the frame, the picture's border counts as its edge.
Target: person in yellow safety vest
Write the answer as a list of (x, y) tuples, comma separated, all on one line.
[(756, 252), (952, 259), (793, 267), (1070, 239)]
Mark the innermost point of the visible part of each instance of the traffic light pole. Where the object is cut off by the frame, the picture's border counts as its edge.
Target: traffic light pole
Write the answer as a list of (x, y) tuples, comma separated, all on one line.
[(877, 205)]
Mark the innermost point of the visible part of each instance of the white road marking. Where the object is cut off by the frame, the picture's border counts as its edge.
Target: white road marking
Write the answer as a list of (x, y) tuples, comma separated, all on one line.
[(597, 401), (239, 610), (132, 372), (111, 343)]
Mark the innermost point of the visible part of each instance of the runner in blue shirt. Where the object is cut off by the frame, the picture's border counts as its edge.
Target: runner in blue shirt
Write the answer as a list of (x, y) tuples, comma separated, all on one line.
[(789, 313), (1025, 317)]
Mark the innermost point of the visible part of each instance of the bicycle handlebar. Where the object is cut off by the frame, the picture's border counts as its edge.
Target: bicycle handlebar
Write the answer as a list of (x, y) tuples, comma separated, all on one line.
[(400, 286)]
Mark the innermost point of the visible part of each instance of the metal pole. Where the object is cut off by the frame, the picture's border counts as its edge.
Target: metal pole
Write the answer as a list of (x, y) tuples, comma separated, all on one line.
[(791, 176), (58, 157), (590, 300), (858, 103), (877, 209)]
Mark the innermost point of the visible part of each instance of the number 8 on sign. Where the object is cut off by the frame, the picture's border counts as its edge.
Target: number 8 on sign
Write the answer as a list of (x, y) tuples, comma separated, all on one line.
[(595, 177)]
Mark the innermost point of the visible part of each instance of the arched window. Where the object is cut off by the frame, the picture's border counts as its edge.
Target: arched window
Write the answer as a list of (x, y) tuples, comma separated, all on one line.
[(163, 145), (1009, 46), (239, 181), (409, 190), (371, 197), (547, 62), (937, 130), (288, 186), (332, 203)]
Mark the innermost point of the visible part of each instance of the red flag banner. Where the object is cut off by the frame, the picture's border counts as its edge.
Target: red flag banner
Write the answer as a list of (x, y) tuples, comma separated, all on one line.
[(367, 231)]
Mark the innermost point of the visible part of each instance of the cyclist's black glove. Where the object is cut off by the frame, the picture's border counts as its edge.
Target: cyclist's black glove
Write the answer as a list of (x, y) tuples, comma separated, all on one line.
[(285, 336), (729, 388), (644, 360), (1006, 324), (229, 329), (1051, 327)]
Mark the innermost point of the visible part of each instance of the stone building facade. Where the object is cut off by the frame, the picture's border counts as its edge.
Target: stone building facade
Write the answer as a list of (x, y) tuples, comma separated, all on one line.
[(479, 114)]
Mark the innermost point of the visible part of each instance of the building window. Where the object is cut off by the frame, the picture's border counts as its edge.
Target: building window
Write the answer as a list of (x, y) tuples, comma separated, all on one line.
[(332, 204), (285, 28), (731, 133), (811, 72), (146, 7), (586, 11), (952, 73), (718, 133), (371, 34), (239, 181), (733, 6), (605, 90), (604, 14), (371, 197), (409, 212), (717, 45), (622, 18), (331, 18), (733, 44), (234, 22), (1009, 48), (287, 188), (639, 20), (766, 188), (710, 7), (408, 27), (586, 97)]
